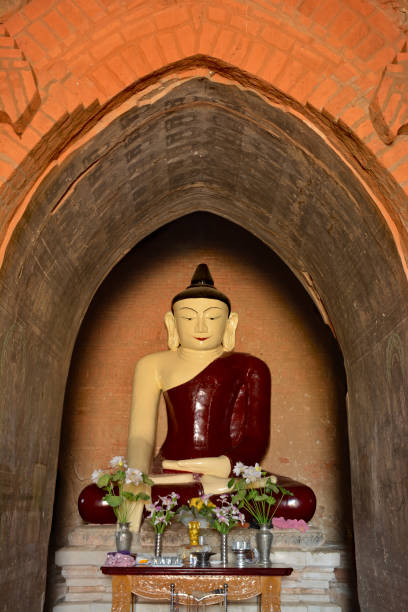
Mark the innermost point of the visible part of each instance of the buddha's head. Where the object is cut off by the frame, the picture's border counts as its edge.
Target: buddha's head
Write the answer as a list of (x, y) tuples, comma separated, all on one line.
[(200, 316)]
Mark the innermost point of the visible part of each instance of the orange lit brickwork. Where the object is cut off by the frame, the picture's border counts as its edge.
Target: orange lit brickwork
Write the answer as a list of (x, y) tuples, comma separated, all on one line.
[(327, 57)]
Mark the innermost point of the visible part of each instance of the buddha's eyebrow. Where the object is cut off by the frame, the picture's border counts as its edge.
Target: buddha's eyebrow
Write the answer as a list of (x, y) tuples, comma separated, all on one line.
[(213, 308)]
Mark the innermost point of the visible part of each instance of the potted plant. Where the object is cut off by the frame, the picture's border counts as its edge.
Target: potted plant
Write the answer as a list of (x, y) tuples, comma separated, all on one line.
[(113, 481), (161, 514), (253, 490), (223, 518)]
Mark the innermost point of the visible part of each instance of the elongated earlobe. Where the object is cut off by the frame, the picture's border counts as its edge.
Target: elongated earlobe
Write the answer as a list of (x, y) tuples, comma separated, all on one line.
[(173, 340), (228, 340)]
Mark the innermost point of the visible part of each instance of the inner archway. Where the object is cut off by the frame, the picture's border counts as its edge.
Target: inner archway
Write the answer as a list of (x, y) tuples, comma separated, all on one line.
[(278, 321), (215, 148)]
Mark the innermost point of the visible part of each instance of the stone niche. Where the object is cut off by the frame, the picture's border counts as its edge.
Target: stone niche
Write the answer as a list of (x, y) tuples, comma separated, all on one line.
[(278, 322)]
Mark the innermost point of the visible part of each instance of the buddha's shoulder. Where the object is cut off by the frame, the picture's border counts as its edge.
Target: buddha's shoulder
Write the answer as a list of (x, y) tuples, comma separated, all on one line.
[(155, 361), (247, 361)]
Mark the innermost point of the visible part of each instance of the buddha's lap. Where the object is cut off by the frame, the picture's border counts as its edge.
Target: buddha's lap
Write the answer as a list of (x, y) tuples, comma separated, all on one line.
[(300, 505)]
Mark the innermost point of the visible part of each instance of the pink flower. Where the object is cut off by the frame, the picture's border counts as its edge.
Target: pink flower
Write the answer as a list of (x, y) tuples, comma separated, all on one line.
[(282, 523)]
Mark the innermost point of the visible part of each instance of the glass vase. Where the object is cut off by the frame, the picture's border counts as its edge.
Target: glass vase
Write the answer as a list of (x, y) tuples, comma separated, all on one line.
[(158, 544), (123, 538), (264, 543), (224, 549)]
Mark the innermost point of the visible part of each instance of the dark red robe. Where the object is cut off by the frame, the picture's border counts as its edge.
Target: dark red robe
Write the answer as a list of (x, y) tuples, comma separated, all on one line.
[(225, 410)]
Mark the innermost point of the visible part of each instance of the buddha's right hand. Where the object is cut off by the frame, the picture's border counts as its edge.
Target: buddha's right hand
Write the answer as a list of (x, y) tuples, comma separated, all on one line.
[(213, 485), (213, 466)]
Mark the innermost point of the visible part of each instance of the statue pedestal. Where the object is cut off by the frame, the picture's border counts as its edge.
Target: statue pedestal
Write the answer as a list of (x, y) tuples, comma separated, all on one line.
[(317, 583)]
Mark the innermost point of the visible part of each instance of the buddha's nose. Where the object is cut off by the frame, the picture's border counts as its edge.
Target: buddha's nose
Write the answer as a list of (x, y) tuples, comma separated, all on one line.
[(201, 325)]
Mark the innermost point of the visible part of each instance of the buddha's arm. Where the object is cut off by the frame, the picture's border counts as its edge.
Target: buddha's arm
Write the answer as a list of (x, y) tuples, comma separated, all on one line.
[(143, 414), (250, 426), (213, 466), (142, 428)]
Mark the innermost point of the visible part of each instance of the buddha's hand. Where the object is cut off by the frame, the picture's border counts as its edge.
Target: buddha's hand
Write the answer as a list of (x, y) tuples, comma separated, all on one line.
[(214, 485), (213, 466)]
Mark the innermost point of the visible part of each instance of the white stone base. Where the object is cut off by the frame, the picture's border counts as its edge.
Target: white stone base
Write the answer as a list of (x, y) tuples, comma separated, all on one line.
[(312, 587)]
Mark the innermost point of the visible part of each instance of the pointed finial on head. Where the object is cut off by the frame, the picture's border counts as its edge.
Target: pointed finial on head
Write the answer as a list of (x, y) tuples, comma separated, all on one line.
[(202, 277), (202, 286)]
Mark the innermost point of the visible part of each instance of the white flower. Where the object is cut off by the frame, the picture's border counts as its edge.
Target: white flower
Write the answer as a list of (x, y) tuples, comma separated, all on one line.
[(118, 461), (252, 473), (96, 474), (133, 476), (239, 468)]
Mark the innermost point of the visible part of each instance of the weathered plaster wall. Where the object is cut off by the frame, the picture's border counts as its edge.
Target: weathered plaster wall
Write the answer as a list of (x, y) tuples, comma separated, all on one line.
[(278, 322)]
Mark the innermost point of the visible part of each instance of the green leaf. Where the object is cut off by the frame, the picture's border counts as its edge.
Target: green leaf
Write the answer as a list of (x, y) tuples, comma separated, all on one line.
[(119, 475), (252, 494), (143, 496), (285, 491), (113, 500), (261, 497), (103, 480), (147, 480), (231, 482)]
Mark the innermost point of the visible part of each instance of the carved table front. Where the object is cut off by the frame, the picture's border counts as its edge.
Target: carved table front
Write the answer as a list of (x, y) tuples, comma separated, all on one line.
[(155, 583)]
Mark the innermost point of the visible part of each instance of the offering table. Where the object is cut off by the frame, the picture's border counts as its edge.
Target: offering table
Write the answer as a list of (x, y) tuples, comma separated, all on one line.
[(154, 582)]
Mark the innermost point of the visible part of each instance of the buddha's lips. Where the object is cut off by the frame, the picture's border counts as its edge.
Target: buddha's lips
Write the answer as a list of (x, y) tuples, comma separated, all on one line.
[(200, 338)]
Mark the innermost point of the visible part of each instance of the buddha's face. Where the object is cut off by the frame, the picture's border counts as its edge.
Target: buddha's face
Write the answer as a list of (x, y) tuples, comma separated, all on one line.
[(200, 322)]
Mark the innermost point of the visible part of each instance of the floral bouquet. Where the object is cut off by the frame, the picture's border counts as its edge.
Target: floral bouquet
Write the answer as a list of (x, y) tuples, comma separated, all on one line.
[(198, 507), (254, 491), (162, 512), (226, 516), (113, 482)]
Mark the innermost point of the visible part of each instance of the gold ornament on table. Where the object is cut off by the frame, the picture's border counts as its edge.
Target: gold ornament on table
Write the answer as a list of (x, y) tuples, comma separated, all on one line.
[(194, 532)]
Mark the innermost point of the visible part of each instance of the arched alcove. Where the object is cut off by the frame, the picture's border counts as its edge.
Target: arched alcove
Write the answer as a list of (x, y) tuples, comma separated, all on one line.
[(277, 321), (215, 148)]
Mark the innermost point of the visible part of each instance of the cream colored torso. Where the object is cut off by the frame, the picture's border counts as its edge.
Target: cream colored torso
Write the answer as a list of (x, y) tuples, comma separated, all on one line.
[(153, 374), (202, 325), (173, 368)]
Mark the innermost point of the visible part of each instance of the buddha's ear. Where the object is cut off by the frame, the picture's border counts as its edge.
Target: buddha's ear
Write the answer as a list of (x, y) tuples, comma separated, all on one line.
[(173, 339), (228, 340)]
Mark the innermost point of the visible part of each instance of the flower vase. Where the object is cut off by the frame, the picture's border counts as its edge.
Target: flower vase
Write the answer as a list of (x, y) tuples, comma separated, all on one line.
[(158, 543), (224, 549), (264, 543), (123, 538)]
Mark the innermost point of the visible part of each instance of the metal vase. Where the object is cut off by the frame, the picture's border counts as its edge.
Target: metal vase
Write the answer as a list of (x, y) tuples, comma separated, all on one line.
[(123, 537), (224, 549), (158, 543), (264, 543)]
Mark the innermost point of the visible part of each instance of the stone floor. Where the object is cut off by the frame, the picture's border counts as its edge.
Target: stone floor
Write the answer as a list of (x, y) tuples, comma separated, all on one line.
[(319, 582)]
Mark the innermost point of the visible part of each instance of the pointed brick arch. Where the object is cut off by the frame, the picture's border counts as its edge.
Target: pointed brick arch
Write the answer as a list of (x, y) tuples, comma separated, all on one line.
[(326, 59), (139, 173), (96, 62)]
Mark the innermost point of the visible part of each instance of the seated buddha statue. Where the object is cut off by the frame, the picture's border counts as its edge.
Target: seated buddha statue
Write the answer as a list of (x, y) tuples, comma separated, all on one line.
[(217, 402)]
